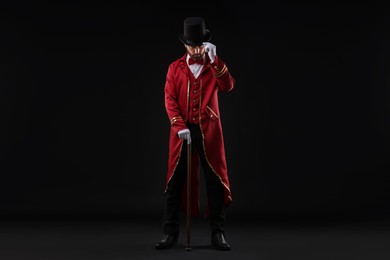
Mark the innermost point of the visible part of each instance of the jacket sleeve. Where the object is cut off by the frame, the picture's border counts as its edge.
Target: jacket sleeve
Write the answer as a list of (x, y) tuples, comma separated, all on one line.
[(171, 103), (225, 81)]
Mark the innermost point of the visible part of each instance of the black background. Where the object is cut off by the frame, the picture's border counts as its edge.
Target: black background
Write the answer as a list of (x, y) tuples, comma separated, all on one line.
[(84, 130)]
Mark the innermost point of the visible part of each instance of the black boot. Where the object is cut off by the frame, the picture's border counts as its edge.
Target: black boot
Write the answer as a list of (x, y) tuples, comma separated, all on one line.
[(219, 242), (167, 241)]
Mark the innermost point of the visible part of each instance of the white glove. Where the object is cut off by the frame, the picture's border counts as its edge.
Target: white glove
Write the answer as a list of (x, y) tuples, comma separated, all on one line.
[(185, 134), (211, 50)]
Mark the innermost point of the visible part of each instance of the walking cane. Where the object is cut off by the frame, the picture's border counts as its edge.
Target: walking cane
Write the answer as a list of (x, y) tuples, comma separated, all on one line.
[(188, 247)]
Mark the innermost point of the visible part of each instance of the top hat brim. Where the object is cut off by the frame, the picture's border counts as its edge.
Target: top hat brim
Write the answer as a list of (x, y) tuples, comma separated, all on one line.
[(206, 38)]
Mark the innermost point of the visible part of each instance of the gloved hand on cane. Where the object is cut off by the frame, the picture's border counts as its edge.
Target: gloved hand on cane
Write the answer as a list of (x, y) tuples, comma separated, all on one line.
[(211, 50), (185, 134)]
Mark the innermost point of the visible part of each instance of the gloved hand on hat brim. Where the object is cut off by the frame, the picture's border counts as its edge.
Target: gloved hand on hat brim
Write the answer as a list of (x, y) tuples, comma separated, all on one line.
[(211, 50)]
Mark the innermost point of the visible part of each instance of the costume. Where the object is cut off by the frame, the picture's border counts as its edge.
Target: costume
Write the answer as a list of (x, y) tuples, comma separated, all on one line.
[(195, 101), (191, 103)]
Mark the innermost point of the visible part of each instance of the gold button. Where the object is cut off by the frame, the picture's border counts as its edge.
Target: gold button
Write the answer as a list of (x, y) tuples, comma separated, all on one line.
[(195, 91), (193, 118), (194, 109)]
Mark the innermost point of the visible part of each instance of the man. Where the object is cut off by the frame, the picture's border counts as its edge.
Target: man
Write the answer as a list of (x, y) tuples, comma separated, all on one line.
[(191, 102)]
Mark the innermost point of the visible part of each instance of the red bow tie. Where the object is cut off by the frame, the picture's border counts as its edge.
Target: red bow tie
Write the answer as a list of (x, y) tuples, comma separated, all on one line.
[(191, 61)]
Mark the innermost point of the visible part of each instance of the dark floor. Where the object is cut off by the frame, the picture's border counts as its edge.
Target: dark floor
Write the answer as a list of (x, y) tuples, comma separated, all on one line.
[(134, 239)]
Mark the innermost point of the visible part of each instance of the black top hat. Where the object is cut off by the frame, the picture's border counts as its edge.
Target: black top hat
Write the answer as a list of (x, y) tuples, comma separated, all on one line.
[(195, 32)]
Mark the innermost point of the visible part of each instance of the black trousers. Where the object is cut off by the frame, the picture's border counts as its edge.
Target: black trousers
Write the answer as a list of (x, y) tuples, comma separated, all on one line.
[(174, 192)]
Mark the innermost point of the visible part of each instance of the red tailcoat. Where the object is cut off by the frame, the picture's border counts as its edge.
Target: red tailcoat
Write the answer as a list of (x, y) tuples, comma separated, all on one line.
[(180, 87)]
